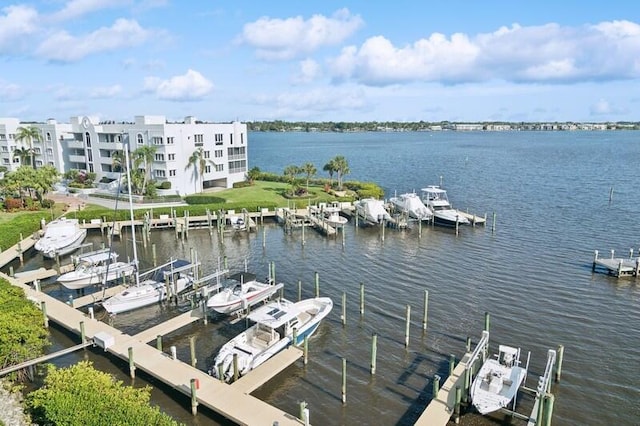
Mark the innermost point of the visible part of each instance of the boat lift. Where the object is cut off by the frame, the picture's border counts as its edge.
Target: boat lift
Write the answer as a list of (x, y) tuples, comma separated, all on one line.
[(245, 310)]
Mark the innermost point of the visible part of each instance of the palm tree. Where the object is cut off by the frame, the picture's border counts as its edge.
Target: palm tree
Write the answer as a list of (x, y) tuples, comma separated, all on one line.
[(291, 172), (144, 156), (341, 168), (253, 174), (117, 160), (29, 134), (310, 170), (330, 167), (24, 154), (199, 163)]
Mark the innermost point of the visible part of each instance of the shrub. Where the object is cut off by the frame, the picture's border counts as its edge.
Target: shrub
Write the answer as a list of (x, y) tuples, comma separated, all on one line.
[(242, 184), (165, 185), (203, 199), (47, 203), (13, 204)]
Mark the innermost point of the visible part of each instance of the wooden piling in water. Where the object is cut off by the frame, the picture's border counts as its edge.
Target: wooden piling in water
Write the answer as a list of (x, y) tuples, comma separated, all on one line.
[(436, 386), (344, 380), (426, 309), (361, 299), (374, 352), (305, 350), (317, 280), (493, 223), (559, 362), (159, 342), (192, 349), (343, 316), (43, 308), (132, 366), (235, 367), (456, 409), (83, 337), (194, 398), (406, 331), (452, 363)]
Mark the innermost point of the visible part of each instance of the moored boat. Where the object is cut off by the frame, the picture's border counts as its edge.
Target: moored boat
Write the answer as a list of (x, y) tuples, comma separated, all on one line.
[(411, 204), (61, 236), (498, 380), (241, 291), (272, 331), (436, 199), (372, 211), (98, 267)]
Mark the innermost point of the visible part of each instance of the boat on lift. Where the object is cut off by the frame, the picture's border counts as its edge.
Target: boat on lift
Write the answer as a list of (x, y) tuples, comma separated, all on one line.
[(412, 205), (61, 236), (97, 267), (372, 211), (241, 291)]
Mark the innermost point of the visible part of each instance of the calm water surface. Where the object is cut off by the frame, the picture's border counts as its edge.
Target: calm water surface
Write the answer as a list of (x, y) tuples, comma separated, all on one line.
[(550, 193)]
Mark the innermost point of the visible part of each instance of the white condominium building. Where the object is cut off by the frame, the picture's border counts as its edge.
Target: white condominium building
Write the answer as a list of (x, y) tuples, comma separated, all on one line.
[(88, 144)]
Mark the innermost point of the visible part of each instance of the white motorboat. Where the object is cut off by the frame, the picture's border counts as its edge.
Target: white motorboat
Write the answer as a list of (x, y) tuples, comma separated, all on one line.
[(61, 236), (498, 380), (241, 291), (372, 211), (411, 204), (167, 280), (435, 198), (98, 267), (236, 222), (272, 332), (331, 213)]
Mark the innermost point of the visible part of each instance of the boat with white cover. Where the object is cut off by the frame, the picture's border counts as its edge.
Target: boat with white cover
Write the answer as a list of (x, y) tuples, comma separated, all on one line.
[(411, 204), (61, 236), (498, 380), (372, 211), (271, 333), (98, 267), (241, 291), (436, 199)]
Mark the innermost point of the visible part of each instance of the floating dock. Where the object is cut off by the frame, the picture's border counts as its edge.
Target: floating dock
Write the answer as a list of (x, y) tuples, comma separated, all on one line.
[(617, 266)]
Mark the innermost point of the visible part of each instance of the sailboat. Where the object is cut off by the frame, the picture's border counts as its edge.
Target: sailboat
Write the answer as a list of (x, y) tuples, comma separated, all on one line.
[(97, 267), (169, 279)]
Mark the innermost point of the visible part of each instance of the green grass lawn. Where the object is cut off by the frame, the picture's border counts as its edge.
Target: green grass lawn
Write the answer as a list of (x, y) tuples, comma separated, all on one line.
[(271, 193)]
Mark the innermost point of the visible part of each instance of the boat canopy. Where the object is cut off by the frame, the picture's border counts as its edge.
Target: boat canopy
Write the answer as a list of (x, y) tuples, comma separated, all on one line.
[(98, 257), (272, 315)]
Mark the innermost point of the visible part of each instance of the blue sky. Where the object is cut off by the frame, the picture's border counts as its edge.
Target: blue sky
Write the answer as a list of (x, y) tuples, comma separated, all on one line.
[(321, 60)]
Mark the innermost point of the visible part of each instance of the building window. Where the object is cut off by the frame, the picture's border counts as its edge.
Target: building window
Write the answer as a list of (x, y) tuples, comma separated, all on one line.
[(237, 166), (37, 151), (157, 140), (241, 138), (171, 157), (219, 167), (218, 138), (16, 160), (140, 139), (170, 140), (3, 136), (231, 138), (207, 154), (87, 137), (207, 169), (172, 172), (5, 149), (160, 173), (198, 138), (39, 163), (48, 137), (5, 160), (218, 153), (159, 157)]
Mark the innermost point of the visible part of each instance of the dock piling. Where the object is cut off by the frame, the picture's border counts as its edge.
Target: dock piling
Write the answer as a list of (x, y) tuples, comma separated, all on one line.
[(344, 380), (452, 363), (194, 398), (132, 366), (374, 353), (456, 409), (192, 348), (174, 353), (436, 386), (406, 331), (361, 299), (317, 280), (299, 290), (159, 342), (91, 314), (305, 350), (493, 223), (43, 307), (559, 362), (235, 367), (83, 337), (426, 308), (343, 317)]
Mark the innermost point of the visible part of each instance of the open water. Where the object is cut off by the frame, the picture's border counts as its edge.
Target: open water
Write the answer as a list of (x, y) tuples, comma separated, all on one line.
[(551, 193)]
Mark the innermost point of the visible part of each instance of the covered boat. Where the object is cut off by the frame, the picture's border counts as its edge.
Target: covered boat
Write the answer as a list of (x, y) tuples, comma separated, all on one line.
[(98, 267), (61, 236), (239, 292), (411, 204)]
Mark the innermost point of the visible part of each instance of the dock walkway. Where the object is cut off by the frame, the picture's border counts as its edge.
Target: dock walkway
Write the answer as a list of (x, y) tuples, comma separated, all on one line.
[(617, 266), (231, 402)]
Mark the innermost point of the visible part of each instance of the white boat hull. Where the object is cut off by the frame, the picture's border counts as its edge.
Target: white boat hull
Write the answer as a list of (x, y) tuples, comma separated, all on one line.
[(227, 301), (495, 386), (79, 279), (146, 293), (61, 237)]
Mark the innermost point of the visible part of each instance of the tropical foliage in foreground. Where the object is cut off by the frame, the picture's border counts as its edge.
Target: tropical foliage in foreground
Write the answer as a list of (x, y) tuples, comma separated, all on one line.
[(22, 332), (81, 395)]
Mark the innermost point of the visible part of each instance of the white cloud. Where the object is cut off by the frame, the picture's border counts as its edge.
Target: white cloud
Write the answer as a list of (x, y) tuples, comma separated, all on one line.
[(604, 107), (105, 92), (61, 46), (75, 8), (192, 86), (547, 53), (16, 22), (308, 72), (292, 37), (10, 91)]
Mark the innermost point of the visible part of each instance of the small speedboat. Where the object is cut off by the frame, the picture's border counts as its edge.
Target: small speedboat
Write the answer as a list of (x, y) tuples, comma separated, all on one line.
[(240, 294), (435, 198), (498, 380), (98, 267), (272, 331), (61, 236), (372, 211), (411, 204)]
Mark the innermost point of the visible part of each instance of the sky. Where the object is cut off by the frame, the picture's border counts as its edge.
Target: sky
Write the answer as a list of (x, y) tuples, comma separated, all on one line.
[(462, 61)]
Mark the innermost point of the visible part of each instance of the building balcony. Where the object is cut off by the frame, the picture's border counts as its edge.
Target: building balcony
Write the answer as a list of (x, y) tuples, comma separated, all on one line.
[(72, 143), (77, 158)]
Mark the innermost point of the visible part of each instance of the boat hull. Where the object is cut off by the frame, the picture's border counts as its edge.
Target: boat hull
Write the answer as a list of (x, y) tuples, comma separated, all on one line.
[(226, 302), (76, 280), (495, 386)]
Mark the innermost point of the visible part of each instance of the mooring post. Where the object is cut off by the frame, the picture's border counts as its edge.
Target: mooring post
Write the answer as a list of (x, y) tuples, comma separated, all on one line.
[(153, 254), (235, 367), (493, 223), (559, 362), (91, 314), (299, 290), (194, 398), (426, 310), (221, 372), (595, 259), (452, 363), (43, 307), (159, 342), (457, 224), (436, 386), (11, 273), (457, 406), (361, 299), (83, 337), (205, 316), (273, 271), (374, 352), (174, 353), (487, 320), (132, 366), (317, 280), (305, 350), (303, 412), (467, 379), (382, 224), (192, 348), (344, 380), (548, 409), (343, 317), (294, 339), (406, 331), (419, 228), (468, 344)]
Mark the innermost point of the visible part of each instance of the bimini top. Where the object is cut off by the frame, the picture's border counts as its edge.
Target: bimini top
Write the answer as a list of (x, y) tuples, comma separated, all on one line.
[(274, 314)]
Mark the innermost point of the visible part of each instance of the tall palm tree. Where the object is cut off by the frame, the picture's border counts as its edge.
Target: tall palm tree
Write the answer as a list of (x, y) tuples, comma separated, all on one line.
[(144, 156), (330, 168), (342, 168), (199, 163), (24, 154), (29, 134), (310, 170), (290, 173), (117, 160)]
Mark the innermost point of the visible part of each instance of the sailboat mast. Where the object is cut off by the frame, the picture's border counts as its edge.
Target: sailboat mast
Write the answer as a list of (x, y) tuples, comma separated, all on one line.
[(133, 226)]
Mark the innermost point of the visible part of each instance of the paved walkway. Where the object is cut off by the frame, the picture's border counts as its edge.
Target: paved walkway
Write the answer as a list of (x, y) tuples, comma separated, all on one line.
[(79, 201)]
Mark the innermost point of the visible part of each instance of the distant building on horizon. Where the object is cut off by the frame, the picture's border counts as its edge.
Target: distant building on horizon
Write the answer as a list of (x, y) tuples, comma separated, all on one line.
[(89, 145)]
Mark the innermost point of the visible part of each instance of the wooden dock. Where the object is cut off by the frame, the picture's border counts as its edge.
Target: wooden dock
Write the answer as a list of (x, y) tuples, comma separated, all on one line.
[(617, 266), (232, 402)]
